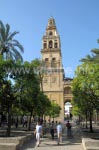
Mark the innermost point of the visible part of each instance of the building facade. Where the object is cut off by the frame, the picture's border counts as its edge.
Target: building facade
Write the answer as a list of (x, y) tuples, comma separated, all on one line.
[(55, 85)]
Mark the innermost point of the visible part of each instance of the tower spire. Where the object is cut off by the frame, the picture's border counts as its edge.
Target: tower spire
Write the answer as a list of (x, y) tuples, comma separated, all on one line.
[(51, 47), (51, 22)]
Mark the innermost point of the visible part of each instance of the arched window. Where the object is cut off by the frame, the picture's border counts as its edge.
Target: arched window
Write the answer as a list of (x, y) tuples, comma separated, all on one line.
[(45, 45), (55, 45), (53, 59), (51, 22), (46, 62), (50, 33), (46, 59), (67, 107), (53, 63), (50, 44), (67, 90)]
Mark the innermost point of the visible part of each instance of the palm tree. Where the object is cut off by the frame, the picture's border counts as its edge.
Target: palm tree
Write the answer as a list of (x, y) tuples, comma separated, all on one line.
[(94, 58), (9, 47)]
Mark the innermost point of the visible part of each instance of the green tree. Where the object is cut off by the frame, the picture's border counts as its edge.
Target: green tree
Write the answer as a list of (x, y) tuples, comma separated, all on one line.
[(9, 47), (54, 110), (43, 105), (28, 88), (6, 91), (7, 102), (94, 58), (40, 70), (85, 89)]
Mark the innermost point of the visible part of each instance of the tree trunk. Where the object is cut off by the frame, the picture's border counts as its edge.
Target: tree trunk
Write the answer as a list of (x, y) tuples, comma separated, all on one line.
[(43, 117), (9, 120), (53, 119), (91, 128), (41, 81), (86, 121), (96, 119), (29, 128)]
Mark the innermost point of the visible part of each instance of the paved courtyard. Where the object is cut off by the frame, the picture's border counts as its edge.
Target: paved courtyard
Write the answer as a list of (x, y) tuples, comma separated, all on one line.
[(73, 142)]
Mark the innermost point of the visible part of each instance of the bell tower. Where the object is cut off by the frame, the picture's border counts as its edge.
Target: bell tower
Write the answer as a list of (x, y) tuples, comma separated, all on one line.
[(52, 60)]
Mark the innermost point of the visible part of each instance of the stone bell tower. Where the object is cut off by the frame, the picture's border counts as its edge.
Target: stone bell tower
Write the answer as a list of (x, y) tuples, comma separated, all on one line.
[(52, 59)]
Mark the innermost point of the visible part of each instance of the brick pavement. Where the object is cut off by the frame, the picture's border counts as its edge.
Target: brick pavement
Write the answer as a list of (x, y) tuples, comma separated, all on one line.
[(69, 143)]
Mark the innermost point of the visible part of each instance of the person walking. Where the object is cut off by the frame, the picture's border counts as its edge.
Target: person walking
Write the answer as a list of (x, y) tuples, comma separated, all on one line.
[(68, 125), (38, 132), (25, 120), (52, 130), (59, 132)]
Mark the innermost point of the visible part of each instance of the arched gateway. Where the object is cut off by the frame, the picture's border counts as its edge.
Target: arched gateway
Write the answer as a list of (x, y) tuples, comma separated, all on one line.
[(55, 85)]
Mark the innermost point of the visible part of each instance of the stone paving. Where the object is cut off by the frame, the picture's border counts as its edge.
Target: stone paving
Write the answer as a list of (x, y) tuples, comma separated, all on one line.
[(73, 142)]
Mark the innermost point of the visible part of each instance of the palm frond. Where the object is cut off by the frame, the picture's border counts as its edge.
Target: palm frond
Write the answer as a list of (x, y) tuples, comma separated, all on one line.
[(98, 40), (96, 58), (2, 25), (19, 46), (95, 50), (8, 55), (8, 45), (16, 54), (83, 60), (86, 59), (7, 31), (2, 31), (12, 35)]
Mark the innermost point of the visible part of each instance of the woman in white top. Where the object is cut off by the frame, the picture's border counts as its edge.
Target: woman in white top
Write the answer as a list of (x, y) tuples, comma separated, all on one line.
[(38, 133), (59, 132)]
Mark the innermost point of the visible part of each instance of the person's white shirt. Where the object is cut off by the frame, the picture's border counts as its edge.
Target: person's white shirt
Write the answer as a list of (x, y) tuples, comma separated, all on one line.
[(38, 133), (24, 118), (38, 128), (59, 128)]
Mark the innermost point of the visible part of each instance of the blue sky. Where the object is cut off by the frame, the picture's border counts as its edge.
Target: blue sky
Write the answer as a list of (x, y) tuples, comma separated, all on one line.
[(77, 23)]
